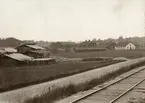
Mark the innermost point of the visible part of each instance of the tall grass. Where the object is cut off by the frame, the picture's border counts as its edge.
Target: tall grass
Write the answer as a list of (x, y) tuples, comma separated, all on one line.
[(63, 92), (108, 53), (14, 78)]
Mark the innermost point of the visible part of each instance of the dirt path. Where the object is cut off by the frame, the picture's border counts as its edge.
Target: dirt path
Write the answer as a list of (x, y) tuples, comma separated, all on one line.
[(17, 96)]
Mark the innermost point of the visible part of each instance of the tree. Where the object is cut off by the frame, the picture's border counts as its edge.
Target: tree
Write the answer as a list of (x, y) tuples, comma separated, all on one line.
[(120, 39), (56, 45), (10, 42)]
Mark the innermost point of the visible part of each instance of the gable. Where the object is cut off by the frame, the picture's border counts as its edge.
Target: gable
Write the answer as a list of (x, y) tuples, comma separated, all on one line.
[(33, 47), (130, 45), (124, 44)]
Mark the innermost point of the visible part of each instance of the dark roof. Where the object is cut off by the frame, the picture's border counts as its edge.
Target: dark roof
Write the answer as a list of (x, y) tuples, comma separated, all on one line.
[(39, 51), (29, 43), (89, 48), (123, 43), (33, 46), (105, 44)]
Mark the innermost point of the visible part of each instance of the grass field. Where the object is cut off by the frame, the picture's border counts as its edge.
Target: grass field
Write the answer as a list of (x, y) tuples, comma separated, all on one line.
[(108, 53), (17, 77)]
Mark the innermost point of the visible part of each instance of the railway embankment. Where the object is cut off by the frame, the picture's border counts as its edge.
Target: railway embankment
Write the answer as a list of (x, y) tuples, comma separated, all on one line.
[(63, 87)]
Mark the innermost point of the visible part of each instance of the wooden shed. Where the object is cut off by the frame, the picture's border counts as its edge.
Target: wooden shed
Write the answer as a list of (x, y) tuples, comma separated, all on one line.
[(33, 50), (14, 59)]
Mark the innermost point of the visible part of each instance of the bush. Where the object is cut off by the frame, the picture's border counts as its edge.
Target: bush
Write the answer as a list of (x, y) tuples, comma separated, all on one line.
[(18, 77)]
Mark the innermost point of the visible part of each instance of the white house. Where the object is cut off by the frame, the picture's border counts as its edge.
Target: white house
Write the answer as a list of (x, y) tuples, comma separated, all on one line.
[(125, 46)]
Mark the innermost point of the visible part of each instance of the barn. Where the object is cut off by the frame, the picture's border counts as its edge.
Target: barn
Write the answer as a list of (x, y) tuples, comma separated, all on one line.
[(32, 55), (32, 50)]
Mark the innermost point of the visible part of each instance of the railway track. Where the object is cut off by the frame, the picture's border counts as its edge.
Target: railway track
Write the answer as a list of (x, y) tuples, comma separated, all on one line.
[(113, 92)]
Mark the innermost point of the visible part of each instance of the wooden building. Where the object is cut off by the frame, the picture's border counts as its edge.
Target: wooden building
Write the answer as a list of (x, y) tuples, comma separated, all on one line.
[(33, 50), (14, 59), (17, 59), (28, 55)]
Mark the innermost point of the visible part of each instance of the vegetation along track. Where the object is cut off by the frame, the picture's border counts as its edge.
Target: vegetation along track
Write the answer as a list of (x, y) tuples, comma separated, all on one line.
[(113, 92)]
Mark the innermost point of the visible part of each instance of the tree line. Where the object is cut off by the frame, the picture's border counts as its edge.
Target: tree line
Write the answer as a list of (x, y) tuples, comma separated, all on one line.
[(13, 42)]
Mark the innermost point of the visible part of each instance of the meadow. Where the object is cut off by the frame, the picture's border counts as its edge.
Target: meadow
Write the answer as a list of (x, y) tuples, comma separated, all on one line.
[(109, 53), (17, 77)]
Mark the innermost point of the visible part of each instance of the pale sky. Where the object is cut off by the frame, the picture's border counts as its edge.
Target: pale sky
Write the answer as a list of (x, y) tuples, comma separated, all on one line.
[(75, 20)]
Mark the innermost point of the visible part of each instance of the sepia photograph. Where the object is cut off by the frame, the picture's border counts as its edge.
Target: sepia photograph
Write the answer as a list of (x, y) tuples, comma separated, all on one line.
[(72, 51)]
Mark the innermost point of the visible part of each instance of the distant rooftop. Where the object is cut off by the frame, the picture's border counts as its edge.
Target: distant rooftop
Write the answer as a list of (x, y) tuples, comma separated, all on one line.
[(39, 51), (8, 50), (12, 50), (32, 45), (122, 43), (35, 47), (29, 43), (43, 59)]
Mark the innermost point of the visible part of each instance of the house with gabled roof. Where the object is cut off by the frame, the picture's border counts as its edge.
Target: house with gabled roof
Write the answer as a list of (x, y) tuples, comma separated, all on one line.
[(26, 54), (31, 49), (125, 46)]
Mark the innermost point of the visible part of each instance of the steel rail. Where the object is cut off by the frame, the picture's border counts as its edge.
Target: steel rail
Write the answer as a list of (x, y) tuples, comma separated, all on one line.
[(121, 95), (95, 91)]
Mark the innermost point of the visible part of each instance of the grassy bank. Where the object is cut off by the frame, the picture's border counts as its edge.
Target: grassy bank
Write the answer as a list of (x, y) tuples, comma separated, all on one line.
[(17, 77), (60, 93), (108, 53)]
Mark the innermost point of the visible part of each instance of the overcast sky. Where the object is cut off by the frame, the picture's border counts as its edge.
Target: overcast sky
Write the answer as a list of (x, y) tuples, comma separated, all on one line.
[(74, 20)]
